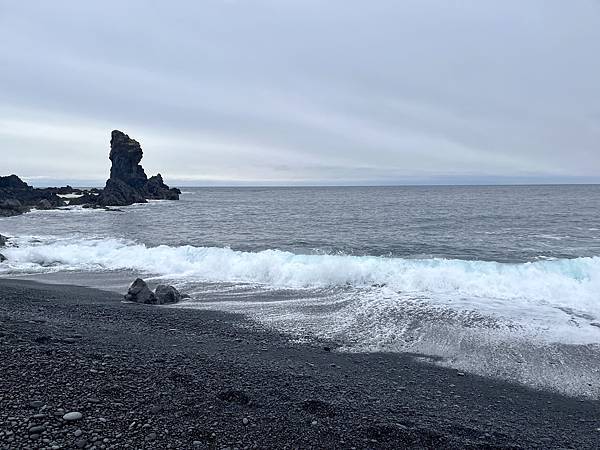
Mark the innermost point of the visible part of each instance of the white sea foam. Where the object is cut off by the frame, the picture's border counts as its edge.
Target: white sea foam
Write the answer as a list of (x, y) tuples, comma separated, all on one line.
[(70, 196), (568, 283), (498, 319)]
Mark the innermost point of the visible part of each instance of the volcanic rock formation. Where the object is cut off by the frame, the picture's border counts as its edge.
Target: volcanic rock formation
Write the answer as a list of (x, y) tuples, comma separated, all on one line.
[(17, 197), (128, 182)]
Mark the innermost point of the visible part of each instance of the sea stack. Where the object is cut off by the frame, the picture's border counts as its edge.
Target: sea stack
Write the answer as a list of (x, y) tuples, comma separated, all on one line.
[(128, 183)]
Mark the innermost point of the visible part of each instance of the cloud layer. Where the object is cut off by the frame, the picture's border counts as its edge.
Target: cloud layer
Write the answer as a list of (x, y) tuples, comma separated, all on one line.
[(306, 92)]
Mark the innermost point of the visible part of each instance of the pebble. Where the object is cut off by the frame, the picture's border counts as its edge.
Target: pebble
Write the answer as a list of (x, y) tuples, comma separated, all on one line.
[(245, 421), (74, 415), (37, 430), (36, 404), (151, 436), (314, 422), (78, 433)]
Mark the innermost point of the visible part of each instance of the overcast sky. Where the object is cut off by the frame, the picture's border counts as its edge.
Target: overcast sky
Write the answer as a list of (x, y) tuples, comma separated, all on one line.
[(309, 92)]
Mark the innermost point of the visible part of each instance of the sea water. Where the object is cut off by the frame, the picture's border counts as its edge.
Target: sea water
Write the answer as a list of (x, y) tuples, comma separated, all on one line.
[(502, 281)]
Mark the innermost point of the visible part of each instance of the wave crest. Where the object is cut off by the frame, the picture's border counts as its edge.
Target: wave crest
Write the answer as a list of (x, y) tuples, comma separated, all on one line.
[(562, 281)]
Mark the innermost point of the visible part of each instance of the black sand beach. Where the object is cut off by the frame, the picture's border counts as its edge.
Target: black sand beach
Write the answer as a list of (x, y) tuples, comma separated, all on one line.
[(154, 377)]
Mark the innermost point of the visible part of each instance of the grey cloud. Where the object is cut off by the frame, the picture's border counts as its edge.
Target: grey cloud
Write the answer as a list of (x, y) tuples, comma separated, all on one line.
[(304, 91)]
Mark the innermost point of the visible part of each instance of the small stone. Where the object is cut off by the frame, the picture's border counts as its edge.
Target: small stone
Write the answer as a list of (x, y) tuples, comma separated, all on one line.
[(78, 433), (72, 416), (460, 374), (245, 421), (36, 404), (197, 443), (34, 436), (155, 409), (37, 430), (80, 443), (313, 423), (151, 436)]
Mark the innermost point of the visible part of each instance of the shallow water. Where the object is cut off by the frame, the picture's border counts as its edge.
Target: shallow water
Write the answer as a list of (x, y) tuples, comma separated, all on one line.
[(503, 281)]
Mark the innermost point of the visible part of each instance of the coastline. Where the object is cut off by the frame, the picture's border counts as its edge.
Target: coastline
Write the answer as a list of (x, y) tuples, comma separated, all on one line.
[(156, 377)]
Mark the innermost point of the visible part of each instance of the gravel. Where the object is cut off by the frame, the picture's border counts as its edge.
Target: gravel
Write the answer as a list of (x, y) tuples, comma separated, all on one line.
[(222, 382)]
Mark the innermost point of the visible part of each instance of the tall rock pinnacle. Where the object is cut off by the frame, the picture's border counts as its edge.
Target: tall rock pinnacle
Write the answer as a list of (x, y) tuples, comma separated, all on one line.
[(128, 182), (125, 155)]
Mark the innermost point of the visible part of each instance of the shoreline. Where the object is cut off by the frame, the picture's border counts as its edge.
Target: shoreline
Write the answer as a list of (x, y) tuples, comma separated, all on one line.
[(159, 377)]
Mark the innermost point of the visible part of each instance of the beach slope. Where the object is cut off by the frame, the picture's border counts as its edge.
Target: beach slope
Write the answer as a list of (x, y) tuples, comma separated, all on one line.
[(156, 377)]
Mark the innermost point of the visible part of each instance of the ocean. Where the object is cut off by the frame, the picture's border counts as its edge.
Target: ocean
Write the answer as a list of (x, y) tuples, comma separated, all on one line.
[(500, 281)]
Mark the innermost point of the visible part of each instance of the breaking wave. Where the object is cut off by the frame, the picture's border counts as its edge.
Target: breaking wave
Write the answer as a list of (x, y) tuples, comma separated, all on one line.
[(572, 283), (510, 321)]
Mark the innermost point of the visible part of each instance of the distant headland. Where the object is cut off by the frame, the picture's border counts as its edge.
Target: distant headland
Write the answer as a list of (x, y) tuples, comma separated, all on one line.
[(128, 184)]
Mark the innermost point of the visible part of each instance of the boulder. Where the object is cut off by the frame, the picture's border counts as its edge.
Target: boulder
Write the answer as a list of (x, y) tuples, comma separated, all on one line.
[(2, 257), (139, 292), (44, 204), (166, 294)]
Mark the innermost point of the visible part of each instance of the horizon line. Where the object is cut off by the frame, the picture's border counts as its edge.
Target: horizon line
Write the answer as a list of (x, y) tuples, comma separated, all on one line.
[(252, 185)]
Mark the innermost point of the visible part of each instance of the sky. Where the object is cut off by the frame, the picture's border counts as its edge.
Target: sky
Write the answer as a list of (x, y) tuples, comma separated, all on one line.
[(295, 92)]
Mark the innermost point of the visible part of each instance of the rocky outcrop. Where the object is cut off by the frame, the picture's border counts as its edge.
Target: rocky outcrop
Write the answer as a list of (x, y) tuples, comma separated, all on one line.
[(12, 182), (17, 197), (128, 183), (119, 193), (87, 198), (125, 155), (139, 292), (156, 189)]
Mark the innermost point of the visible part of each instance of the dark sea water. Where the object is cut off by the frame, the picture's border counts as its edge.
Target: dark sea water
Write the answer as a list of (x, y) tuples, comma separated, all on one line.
[(499, 280)]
